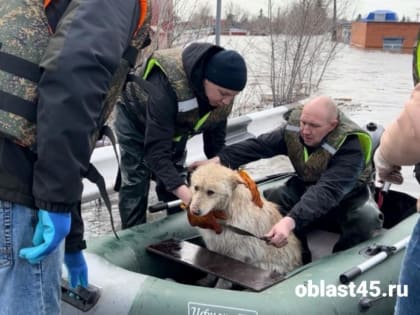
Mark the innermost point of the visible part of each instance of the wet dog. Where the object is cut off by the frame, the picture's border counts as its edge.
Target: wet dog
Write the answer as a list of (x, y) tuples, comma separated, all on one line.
[(223, 196)]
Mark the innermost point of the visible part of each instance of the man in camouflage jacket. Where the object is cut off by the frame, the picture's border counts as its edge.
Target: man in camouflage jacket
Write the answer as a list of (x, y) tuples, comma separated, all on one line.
[(187, 92), (332, 159)]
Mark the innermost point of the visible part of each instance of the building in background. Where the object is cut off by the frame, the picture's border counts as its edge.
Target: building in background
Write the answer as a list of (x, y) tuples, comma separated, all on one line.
[(343, 31), (382, 30)]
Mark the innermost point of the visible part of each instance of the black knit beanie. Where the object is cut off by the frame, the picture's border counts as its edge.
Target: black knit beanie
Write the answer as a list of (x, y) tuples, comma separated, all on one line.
[(227, 69)]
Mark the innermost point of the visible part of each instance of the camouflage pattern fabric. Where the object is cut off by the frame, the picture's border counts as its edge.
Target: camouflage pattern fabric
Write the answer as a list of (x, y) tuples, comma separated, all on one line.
[(311, 170), (170, 62), (27, 39)]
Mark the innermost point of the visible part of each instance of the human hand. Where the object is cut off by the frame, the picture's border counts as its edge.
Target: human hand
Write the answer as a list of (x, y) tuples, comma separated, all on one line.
[(280, 232), (51, 229), (386, 172), (77, 269), (196, 164), (183, 193)]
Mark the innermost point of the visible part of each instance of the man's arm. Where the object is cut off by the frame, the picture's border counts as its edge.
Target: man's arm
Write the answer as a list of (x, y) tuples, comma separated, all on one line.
[(397, 142), (335, 183), (339, 179), (77, 68), (160, 129), (214, 139), (265, 146)]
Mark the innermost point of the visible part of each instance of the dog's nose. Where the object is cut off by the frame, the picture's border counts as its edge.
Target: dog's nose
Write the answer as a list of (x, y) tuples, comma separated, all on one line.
[(196, 211)]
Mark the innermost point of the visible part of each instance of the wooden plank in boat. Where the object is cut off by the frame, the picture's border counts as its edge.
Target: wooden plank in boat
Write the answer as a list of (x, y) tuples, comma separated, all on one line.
[(225, 267)]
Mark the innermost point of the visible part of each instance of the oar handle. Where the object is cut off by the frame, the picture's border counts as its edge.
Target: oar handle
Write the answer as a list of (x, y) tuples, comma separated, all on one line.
[(350, 274), (161, 205)]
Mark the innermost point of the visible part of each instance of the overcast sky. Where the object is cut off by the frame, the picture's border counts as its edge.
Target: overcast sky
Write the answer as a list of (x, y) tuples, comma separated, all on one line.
[(410, 8)]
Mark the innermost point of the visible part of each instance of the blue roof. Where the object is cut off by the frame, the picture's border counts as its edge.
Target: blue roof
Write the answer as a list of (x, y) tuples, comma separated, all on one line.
[(382, 15), (383, 11)]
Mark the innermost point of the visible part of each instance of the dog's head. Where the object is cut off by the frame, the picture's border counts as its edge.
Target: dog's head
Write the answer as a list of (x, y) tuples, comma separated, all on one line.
[(212, 186)]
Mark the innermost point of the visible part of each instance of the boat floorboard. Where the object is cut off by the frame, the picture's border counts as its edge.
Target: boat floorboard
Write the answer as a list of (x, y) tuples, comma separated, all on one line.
[(238, 272)]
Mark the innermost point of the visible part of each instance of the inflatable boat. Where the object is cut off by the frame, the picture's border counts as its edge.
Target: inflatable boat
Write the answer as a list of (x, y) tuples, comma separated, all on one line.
[(163, 267)]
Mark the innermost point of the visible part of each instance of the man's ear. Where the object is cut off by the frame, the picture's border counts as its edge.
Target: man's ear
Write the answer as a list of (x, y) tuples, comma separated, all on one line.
[(334, 124)]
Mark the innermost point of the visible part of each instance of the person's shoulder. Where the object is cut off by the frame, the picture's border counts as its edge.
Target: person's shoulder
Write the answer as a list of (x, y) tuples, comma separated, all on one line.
[(351, 143)]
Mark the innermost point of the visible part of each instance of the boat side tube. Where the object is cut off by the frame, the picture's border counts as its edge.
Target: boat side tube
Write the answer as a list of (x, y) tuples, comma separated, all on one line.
[(353, 272)]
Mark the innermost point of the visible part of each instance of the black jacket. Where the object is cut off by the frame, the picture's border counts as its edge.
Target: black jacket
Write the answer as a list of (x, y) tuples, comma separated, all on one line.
[(339, 180), (162, 108), (82, 56)]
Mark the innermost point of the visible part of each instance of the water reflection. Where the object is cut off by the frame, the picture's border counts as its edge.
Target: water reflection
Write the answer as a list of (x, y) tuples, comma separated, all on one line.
[(377, 83)]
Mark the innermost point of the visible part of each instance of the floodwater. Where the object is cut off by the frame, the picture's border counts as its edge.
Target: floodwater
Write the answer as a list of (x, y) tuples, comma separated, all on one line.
[(368, 85)]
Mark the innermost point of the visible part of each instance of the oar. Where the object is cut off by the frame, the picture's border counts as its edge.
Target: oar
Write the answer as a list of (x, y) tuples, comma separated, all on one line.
[(353, 272), (161, 205)]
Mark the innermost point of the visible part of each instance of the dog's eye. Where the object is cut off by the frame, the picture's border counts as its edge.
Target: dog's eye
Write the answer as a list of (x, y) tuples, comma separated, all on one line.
[(210, 192), (195, 188)]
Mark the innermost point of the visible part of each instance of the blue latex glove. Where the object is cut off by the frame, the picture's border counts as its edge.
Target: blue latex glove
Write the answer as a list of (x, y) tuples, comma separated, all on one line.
[(77, 269), (51, 229)]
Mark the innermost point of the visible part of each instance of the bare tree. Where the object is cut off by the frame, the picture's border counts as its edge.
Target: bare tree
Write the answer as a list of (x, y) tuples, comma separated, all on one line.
[(176, 22), (292, 59), (301, 48)]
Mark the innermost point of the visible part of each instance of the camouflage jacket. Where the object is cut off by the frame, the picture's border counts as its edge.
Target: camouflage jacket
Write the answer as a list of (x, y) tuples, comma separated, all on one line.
[(171, 109), (310, 167), (78, 65)]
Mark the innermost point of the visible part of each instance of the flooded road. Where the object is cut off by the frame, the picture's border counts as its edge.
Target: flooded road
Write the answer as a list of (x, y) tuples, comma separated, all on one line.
[(367, 85)]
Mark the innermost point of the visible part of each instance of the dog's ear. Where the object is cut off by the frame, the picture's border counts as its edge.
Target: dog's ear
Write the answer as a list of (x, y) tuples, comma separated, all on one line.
[(237, 179)]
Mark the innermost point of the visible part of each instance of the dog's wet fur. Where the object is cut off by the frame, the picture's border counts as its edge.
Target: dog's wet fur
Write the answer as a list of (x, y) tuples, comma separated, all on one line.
[(215, 187)]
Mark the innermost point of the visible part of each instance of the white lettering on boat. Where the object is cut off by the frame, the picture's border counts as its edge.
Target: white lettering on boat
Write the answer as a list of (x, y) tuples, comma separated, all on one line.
[(195, 308)]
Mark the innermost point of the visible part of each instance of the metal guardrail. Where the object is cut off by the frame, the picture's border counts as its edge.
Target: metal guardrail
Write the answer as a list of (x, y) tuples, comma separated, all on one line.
[(239, 128)]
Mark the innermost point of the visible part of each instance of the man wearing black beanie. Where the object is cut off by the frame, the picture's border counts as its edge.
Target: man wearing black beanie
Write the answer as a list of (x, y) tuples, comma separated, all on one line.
[(173, 96), (227, 69)]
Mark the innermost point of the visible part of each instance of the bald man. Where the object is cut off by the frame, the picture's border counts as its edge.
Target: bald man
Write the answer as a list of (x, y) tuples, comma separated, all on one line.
[(332, 158)]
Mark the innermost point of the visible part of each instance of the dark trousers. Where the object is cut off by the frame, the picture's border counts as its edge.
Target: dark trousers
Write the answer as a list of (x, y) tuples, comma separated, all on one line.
[(356, 218), (135, 175)]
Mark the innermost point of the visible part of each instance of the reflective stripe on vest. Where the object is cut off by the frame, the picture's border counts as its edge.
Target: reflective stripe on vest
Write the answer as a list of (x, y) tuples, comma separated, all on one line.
[(364, 139), (197, 127), (183, 106)]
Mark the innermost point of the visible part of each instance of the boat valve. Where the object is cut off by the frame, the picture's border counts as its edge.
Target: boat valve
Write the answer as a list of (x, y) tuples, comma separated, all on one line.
[(375, 249)]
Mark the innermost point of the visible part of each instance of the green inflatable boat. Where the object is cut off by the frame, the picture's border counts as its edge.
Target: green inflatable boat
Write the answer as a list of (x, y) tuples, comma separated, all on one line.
[(162, 267)]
